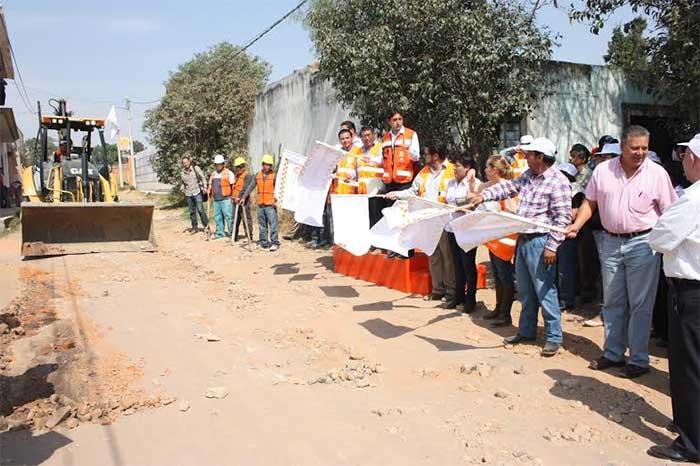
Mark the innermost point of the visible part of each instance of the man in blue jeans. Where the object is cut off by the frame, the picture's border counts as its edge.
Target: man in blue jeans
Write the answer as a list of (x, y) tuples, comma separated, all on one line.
[(545, 196), (630, 192), (193, 185), (267, 204)]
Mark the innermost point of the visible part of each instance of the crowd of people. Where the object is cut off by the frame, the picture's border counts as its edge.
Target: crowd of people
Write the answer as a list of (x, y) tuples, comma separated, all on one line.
[(617, 203)]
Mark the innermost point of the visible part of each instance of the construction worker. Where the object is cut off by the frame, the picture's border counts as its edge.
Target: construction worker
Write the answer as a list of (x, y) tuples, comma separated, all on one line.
[(431, 184), (243, 183), (267, 204), (401, 150), (220, 190), (370, 171)]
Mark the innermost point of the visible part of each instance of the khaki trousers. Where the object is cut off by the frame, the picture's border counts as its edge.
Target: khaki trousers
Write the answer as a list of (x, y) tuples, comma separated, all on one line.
[(442, 269)]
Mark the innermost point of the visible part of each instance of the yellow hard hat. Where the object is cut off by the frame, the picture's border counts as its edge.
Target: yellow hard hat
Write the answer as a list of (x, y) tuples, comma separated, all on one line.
[(268, 159), (238, 162)]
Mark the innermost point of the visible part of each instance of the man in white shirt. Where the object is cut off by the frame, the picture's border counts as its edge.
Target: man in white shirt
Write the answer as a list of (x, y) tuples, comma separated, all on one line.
[(677, 236)]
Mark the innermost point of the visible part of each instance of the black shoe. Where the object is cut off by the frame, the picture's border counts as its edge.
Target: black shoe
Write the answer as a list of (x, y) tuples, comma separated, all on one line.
[(434, 297), (550, 349), (451, 304), (469, 307), (632, 371), (503, 323), (494, 315), (671, 453), (671, 427), (603, 363), (515, 339)]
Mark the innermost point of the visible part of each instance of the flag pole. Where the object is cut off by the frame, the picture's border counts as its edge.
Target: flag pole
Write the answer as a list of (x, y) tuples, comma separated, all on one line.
[(119, 160)]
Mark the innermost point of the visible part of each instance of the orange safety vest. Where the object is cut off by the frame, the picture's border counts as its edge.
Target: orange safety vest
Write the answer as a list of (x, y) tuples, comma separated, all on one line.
[(447, 174), (503, 248), (225, 183), (266, 188), (519, 164), (367, 170), (398, 166), (347, 169), (240, 182)]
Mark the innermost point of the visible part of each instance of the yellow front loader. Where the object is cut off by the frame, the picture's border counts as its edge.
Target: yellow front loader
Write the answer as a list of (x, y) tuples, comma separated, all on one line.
[(71, 206)]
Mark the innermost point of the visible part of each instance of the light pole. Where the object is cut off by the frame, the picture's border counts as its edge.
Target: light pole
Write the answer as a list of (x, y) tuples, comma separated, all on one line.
[(131, 142)]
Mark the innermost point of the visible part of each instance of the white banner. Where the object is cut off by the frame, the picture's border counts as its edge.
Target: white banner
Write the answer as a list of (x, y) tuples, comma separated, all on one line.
[(313, 183), (351, 222), (288, 178)]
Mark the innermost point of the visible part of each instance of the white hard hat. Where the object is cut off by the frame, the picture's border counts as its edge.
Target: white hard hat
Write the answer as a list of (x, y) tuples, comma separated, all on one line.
[(569, 169), (525, 140), (543, 146), (610, 149), (693, 145), (219, 159)]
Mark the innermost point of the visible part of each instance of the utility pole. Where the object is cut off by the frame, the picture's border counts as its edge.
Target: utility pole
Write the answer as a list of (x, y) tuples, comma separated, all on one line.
[(119, 161), (131, 142)]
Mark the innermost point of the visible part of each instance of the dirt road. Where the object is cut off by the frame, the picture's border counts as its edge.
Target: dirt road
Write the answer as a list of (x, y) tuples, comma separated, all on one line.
[(302, 366)]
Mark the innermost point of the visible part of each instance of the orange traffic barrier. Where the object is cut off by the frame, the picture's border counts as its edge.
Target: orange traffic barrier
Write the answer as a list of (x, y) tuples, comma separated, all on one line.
[(407, 275)]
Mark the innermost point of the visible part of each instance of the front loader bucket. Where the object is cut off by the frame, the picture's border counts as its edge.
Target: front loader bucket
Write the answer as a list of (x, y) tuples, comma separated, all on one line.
[(82, 228)]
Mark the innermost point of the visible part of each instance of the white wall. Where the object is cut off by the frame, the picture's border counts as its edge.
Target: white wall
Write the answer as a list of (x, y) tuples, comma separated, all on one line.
[(583, 104), (146, 177), (293, 113)]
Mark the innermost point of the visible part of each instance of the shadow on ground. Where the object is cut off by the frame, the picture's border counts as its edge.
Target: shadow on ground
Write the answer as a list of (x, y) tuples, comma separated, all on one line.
[(20, 447), (630, 410), (16, 391)]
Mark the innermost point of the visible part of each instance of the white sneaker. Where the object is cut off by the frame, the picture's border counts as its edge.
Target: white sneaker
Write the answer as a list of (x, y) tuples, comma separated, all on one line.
[(274, 248)]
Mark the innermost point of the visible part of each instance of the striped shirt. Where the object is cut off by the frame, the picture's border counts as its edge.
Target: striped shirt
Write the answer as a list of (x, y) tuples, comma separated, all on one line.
[(545, 198)]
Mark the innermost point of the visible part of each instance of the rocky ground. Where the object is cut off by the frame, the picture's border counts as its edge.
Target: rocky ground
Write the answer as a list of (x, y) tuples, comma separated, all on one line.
[(208, 353)]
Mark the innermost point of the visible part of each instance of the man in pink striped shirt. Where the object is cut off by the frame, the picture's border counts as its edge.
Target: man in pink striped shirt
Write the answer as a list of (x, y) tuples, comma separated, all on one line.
[(630, 193)]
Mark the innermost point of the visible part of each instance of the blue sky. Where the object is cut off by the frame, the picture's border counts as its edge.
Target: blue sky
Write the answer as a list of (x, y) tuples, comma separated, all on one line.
[(133, 45)]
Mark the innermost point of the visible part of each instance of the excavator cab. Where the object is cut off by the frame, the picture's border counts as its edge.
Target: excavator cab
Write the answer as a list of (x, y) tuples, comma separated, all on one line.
[(73, 203)]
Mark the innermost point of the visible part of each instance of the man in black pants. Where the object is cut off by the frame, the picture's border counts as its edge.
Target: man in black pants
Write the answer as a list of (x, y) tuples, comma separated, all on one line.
[(677, 236)]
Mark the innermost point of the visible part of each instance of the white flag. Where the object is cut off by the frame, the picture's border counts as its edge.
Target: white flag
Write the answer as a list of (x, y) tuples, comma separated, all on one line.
[(415, 223), (475, 228), (314, 182), (112, 125), (383, 237), (288, 178), (351, 222)]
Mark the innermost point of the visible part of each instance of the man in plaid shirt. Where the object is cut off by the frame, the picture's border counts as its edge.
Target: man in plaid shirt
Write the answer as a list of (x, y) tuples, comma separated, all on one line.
[(545, 196)]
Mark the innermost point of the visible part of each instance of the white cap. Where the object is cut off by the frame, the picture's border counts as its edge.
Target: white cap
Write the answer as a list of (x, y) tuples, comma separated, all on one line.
[(693, 145), (219, 159), (543, 146), (525, 140), (569, 169), (610, 149), (654, 157)]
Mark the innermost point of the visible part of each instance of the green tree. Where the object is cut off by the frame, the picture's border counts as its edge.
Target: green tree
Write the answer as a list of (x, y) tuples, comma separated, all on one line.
[(113, 154), (32, 150), (207, 108), (455, 68), (665, 60)]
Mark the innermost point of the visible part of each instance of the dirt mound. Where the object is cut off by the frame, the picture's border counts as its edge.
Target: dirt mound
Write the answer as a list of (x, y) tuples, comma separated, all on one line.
[(55, 367)]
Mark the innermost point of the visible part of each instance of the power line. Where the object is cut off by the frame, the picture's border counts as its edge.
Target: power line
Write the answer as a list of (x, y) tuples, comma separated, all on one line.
[(266, 31), (25, 98)]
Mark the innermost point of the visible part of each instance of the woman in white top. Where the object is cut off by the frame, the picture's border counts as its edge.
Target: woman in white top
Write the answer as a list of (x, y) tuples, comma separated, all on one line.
[(458, 189), (501, 251)]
